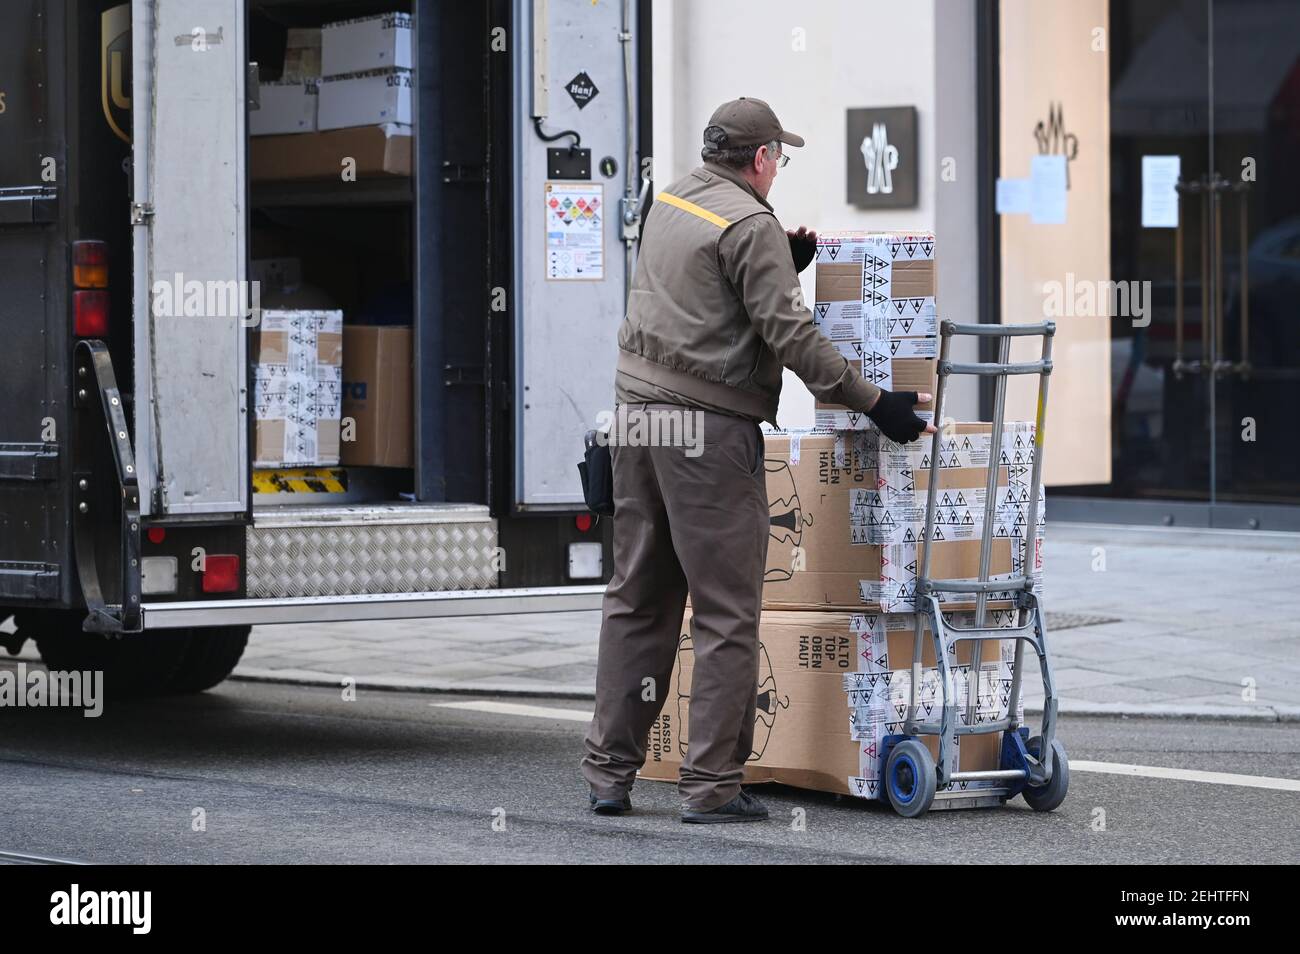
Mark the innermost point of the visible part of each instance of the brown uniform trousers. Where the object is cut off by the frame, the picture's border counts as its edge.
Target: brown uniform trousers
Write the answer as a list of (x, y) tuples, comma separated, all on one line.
[(683, 523)]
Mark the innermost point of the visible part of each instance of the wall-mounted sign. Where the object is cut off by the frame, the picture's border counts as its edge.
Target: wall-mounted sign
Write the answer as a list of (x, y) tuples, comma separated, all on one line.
[(1053, 140), (581, 89), (575, 231), (882, 163)]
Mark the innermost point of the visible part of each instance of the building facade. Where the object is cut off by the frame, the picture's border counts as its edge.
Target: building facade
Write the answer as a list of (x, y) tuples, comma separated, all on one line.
[(1120, 166)]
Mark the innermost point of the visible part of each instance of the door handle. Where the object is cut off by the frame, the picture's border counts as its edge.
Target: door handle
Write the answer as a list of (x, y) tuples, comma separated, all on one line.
[(1181, 364), (1222, 366), (1242, 190)]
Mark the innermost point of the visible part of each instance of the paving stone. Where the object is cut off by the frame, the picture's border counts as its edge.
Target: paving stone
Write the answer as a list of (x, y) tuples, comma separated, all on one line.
[(1175, 686), (1196, 612)]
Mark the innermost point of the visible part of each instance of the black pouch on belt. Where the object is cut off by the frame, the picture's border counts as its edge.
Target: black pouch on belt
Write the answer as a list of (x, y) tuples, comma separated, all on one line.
[(597, 472)]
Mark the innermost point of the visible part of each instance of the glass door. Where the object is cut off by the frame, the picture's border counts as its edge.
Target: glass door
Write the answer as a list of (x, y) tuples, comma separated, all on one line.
[(1205, 110), (1160, 119), (1255, 201)]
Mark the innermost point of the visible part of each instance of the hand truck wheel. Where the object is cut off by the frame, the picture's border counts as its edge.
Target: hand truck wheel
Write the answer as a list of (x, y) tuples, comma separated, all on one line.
[(1046, 798), (910, 779)]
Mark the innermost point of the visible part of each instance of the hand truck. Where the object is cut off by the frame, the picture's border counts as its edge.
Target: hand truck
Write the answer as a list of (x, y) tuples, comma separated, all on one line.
[(1037, 767)]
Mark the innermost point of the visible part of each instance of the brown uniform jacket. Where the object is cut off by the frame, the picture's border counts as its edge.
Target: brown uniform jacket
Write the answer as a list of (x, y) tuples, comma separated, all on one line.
[(716, 310)]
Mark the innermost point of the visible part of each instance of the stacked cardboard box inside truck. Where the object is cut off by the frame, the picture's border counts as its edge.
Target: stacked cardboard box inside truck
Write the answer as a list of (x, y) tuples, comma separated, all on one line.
[(298, 388), (346, 94), (846, 517)]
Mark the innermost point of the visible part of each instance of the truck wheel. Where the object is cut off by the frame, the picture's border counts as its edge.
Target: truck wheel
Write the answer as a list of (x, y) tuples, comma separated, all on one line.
[(133, 664), (212, 655)]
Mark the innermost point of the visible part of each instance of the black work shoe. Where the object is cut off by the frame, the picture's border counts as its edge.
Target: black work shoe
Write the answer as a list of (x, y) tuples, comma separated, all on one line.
[(610, 806), (743, 808)]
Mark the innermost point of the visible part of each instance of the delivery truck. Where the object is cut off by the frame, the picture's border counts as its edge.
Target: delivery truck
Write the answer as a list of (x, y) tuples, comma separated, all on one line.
[(479, 196)]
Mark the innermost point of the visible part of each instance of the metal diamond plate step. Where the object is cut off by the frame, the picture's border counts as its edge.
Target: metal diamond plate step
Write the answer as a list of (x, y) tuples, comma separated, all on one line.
[(387, 548)]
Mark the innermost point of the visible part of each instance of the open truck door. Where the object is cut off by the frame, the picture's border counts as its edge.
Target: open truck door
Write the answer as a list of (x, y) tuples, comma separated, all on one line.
[(152, 460), (191, 293)]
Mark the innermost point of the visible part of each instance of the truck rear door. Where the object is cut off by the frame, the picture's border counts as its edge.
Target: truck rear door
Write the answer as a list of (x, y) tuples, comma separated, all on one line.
[(188, 119), (33, 303)]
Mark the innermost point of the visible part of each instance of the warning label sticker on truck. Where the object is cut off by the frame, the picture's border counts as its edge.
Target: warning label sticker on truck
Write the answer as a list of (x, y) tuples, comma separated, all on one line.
[(575, 231)]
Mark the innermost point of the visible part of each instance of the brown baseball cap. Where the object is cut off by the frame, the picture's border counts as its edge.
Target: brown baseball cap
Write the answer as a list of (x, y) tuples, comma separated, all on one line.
[(750, 122)]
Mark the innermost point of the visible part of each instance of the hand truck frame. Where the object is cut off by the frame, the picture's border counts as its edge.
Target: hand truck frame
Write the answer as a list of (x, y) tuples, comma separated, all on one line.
[(1038, 768)]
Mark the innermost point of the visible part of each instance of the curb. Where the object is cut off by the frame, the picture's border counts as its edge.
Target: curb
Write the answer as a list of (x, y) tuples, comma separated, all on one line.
[(301, 677), (1284, 714)]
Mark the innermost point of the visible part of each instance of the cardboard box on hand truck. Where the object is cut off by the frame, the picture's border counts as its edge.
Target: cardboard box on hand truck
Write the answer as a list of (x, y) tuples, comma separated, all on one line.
[(827, 697), (846, 513), (875, 299)]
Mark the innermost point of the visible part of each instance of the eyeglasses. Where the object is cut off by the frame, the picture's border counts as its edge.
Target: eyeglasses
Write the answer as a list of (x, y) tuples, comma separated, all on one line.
[(781, 160)]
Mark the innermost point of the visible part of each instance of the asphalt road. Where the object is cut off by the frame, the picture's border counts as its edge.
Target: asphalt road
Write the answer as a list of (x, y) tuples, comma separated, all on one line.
[(290, 774)]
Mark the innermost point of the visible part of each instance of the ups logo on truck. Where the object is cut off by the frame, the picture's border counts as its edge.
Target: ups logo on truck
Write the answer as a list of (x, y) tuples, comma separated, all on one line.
[(115, 68)]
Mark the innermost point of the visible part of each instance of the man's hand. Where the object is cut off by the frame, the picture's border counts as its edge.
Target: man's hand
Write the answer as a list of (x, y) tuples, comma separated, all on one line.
[(803, 247), (893, 414)]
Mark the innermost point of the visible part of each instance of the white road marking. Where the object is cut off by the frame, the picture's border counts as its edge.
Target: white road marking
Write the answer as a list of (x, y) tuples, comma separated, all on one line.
[(1105, 768), (514, 708), (1188, 775)]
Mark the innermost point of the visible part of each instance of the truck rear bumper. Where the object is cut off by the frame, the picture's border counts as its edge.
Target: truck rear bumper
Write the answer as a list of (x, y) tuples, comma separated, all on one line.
[(337, 609)]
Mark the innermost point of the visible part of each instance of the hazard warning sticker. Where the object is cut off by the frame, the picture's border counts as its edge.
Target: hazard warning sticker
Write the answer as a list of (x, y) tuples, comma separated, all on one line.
[(575, 231)]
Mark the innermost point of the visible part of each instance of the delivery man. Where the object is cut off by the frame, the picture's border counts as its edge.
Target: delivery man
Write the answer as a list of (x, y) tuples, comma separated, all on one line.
[(714, 313)]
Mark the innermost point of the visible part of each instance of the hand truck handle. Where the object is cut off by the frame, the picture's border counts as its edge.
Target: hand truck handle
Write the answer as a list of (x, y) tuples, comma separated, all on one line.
[(948, 328)]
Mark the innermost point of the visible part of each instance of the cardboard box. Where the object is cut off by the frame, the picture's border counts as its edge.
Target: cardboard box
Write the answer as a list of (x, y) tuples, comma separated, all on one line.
[(875, 299), (366, 43), (377, 396), (366, 99), (846, 513), (276, 275), (302, 54), (815, 728), (285, 108), (376, 150), (881, 284), (298, 388)]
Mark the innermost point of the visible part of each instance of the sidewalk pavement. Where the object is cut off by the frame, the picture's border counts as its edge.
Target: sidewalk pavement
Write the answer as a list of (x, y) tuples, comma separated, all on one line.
[(1141, 622)]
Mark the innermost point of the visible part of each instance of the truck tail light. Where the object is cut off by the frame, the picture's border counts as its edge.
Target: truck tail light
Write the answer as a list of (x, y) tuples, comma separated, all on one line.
[(90, 314), (90, 264), (220, 573)]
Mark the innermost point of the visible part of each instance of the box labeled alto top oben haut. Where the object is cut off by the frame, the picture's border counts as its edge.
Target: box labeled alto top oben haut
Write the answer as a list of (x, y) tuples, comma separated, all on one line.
[(826, 699), (876, 301), (847, 510)]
